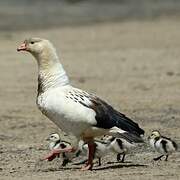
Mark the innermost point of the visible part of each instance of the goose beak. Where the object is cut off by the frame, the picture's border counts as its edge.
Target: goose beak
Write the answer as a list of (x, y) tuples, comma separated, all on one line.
[(22, 47)]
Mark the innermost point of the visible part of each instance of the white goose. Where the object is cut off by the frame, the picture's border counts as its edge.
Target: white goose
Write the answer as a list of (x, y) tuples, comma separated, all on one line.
[(73, 110)]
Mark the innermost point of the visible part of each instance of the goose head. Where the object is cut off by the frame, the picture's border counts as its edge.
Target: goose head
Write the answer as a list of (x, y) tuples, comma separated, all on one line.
[(39, 48)]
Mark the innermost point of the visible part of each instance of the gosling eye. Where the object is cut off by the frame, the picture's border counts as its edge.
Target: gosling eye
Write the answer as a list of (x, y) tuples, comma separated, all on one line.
[(32, 42)]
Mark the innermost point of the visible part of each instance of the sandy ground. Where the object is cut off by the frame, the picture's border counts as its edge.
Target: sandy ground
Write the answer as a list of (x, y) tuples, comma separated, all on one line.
[(133, 65)]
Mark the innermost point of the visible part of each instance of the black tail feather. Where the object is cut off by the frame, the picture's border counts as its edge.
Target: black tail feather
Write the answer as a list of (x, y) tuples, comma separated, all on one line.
[(127, 124)]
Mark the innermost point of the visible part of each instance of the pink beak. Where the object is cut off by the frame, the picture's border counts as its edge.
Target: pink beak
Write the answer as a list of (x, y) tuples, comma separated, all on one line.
[(22, 47)]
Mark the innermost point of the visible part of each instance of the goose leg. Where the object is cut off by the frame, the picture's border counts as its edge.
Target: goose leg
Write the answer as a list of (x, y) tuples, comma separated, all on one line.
[(55, 152), (89, 164)]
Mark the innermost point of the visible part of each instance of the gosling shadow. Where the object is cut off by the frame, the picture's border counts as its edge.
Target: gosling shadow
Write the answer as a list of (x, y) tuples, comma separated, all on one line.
[(116, 166), (117, 162)]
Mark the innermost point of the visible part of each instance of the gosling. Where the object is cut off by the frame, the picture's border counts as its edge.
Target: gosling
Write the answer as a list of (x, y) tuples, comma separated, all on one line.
[(163, 145), (108, 144), (119, 146), (55, 142)]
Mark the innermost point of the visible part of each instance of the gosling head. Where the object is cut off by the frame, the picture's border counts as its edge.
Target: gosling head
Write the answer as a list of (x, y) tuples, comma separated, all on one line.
[(53, 137), (154, 134)]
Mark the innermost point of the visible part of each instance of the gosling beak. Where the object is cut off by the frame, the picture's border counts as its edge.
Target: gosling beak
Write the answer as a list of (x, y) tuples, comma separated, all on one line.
[(47, 139), (22, 47)]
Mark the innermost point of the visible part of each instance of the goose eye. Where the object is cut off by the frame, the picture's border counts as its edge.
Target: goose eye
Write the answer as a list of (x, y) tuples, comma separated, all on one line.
[(32, 42)]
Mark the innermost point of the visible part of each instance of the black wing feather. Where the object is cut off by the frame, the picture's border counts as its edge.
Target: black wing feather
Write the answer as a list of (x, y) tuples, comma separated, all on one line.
[(107, 117)]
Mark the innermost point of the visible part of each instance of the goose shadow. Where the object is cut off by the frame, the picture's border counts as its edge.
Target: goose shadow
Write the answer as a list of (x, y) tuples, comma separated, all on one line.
[(114, 166), (109, 165)]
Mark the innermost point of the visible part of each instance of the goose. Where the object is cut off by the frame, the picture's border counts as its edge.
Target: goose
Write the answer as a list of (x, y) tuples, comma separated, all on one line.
[(163, 145), (73, 110), (55, 142)]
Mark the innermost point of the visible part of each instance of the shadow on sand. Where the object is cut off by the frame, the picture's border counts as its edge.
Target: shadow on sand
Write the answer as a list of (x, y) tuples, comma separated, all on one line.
[(97, 168), (115, 166)]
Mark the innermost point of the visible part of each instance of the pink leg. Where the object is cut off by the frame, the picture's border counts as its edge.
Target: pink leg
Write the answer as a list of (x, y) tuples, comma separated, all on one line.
[(89, 164), (56, 152)]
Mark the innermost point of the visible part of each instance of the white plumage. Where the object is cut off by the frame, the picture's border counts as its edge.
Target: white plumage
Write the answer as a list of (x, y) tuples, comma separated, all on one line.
[(64, 110)]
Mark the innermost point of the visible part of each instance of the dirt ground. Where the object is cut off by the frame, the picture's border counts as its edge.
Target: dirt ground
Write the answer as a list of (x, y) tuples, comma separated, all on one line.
[(134, 65)]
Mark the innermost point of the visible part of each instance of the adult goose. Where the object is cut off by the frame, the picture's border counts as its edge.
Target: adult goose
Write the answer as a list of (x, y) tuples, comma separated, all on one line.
[(73, 110)]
